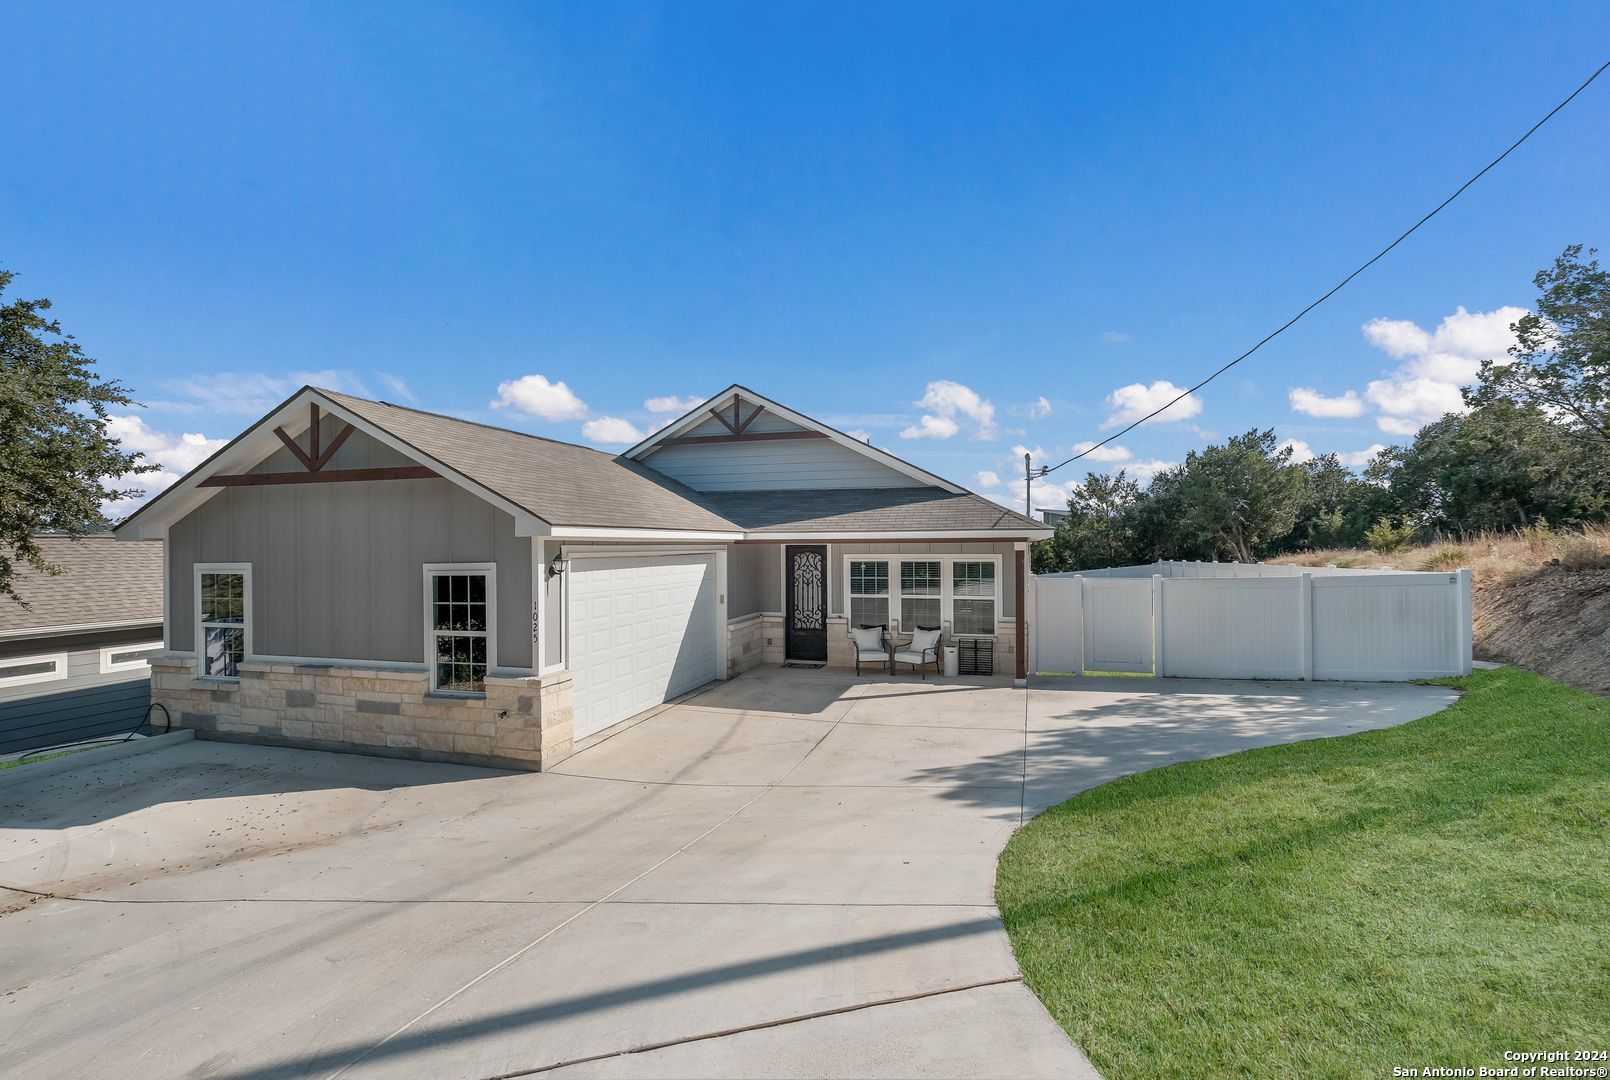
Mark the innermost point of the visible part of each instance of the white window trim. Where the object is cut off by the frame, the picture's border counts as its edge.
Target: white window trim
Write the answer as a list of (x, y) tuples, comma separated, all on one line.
[(491, 572), (247, 655), (107, 667), (60, 660), (947, 586)]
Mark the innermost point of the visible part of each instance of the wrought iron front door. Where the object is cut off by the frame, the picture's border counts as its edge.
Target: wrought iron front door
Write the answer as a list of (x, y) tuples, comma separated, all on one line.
[(805, 608)]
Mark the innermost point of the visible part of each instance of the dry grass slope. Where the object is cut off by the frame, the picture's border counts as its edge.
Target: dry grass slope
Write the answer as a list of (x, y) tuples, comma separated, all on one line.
[(1541, 598)]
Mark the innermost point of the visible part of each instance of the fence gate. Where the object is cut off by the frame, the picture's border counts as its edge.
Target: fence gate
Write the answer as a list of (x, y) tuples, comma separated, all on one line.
[(1117, 624)]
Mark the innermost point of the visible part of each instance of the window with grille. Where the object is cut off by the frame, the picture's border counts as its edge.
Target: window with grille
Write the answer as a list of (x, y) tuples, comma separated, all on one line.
[(869, 593), (973, 601), (920, 601), (223, 624), (459, 624)]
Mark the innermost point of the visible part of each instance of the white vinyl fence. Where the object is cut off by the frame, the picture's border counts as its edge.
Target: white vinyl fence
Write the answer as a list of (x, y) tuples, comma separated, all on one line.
[(1237, 621)]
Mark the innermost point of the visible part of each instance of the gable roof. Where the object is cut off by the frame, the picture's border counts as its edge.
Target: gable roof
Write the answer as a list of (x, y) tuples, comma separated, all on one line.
[(106, 584), (543, 481), (701, 413), (558, 488)]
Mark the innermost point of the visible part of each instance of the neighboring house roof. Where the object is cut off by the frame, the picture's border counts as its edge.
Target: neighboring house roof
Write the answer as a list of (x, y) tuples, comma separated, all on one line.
[(559, 482), (849, 511), (106, 584)]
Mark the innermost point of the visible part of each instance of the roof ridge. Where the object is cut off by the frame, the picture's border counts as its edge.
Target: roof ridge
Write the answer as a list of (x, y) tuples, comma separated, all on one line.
[(461, 420)]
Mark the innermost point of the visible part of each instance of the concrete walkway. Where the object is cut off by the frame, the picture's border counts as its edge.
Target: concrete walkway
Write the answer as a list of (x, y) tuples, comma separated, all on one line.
[(789, 874)]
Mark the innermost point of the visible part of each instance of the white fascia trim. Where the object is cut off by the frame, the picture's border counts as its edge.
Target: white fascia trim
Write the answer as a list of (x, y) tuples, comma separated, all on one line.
[(583, 532), (79, 628), (702, 410), (617, 552), (259, 441), (884, 537)]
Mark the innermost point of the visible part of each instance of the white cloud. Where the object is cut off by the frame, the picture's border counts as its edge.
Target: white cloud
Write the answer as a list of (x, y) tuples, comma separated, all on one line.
[(1396, 425), (1114, 337), (672, 404), (177, 454), (1300, 451), (949, 400), (860, 434), (612, 429), (986, 479), (536, 395), (1438, 364), (1130, 403), (1310, 401), (932, 427), (1355, 459), (253, 393), (1145, 470), (1105, 453), (1040, 409), (398, 387)]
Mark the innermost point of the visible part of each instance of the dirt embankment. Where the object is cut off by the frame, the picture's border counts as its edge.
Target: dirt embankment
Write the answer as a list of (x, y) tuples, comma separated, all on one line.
[(1556, 624)]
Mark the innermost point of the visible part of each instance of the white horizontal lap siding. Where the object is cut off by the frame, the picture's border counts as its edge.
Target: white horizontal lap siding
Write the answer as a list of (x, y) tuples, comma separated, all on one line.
[(786, 463), (1236, 628), (1399, 627), (642, 629)]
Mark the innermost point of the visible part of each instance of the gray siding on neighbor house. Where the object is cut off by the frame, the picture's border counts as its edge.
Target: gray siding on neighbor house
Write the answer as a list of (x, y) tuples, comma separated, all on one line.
[(337, 569), (786, 463), (87, 703)]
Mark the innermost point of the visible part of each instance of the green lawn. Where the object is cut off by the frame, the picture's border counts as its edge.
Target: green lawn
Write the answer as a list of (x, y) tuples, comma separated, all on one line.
[(46, 757), (1435, 894)]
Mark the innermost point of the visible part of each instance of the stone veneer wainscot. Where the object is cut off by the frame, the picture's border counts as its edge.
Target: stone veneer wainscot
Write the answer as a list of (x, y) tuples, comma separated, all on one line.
[(521, 723)]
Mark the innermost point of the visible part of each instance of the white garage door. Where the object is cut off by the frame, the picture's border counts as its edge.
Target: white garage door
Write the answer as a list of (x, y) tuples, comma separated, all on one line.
[(642, 629)]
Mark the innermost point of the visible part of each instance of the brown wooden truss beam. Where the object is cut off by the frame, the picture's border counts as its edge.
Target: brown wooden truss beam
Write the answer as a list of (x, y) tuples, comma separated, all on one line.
[(746, 436), (736, 425), (312, 460), (334, 476)]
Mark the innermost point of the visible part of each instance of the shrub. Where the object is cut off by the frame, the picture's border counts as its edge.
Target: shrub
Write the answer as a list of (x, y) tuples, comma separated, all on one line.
[(1385, 538), (1580, 553), (1447, 559)]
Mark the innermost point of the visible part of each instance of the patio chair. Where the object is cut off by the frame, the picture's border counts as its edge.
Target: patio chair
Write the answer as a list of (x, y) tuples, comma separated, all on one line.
[(921, 650), (869, 645)]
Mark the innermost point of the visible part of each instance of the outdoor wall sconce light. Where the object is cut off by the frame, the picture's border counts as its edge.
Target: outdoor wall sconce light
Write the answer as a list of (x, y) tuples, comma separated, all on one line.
[(557, 565)]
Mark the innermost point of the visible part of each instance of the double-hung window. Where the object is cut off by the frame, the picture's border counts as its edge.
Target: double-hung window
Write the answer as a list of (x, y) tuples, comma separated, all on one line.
[(460, 615), (223, 601), (973, 598), (920, 595), (869, 593)]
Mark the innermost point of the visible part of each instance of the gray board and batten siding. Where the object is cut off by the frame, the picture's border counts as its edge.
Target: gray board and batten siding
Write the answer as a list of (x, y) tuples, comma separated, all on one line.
[(338, 569), (781, 464)]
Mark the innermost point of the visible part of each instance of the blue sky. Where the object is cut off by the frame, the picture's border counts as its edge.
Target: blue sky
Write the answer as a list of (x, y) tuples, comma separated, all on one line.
[(1014, 220)]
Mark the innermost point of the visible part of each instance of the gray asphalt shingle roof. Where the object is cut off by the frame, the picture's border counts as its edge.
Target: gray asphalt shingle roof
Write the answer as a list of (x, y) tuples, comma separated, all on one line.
[(559, 482), (106, 582), (857, 510)]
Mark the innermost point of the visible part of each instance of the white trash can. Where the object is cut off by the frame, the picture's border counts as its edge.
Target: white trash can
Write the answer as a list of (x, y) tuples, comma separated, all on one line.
[(952, 664)]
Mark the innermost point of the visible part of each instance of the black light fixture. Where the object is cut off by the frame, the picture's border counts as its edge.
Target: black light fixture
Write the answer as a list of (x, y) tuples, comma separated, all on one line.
[(556, 565)]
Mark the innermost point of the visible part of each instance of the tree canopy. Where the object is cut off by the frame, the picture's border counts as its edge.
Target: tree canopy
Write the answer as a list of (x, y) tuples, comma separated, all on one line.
[(55, 455)]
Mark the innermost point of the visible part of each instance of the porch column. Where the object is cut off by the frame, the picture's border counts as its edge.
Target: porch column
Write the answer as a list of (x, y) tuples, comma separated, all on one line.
[(1021, 623)]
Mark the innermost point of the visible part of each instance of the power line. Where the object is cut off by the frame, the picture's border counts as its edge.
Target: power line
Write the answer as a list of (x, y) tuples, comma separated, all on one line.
[(1045, 470)]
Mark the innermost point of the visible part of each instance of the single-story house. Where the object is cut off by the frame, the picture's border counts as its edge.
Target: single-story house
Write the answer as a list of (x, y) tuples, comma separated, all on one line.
[(356, 575), (73, 657)]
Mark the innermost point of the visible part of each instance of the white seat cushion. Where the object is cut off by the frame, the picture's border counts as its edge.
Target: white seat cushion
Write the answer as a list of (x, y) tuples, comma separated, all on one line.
[(913, 658), (872, 654), (869, 640)]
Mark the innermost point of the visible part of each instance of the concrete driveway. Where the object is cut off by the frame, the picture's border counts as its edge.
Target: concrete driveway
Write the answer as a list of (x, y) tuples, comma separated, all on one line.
[(790, 874)]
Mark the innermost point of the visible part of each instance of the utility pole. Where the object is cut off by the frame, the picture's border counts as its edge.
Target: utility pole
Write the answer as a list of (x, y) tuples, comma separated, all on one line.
[(1029, 474)]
